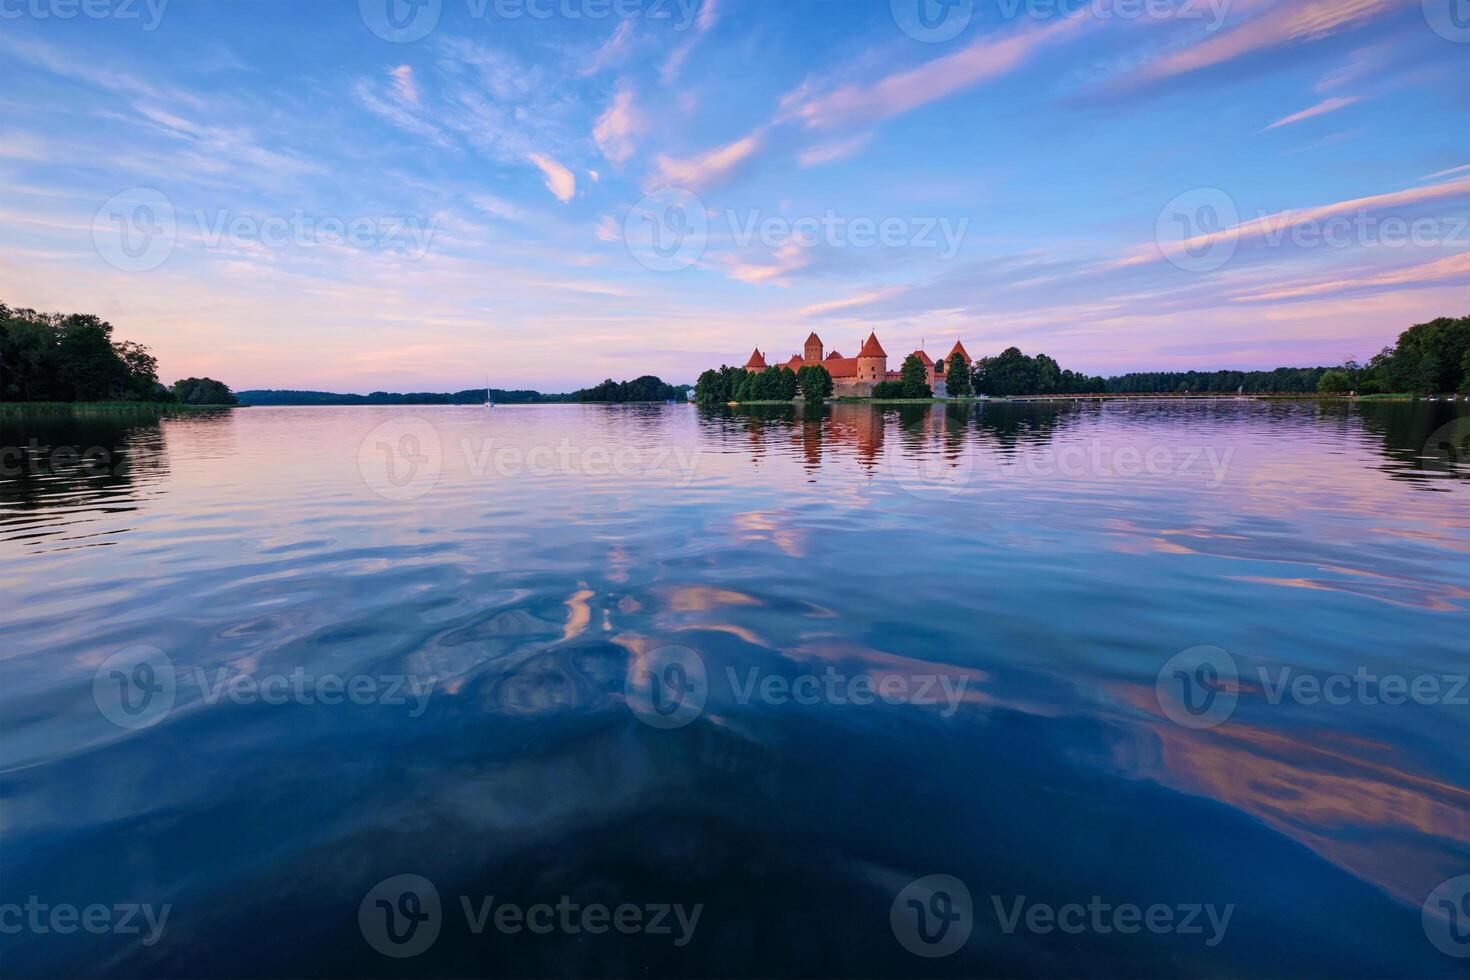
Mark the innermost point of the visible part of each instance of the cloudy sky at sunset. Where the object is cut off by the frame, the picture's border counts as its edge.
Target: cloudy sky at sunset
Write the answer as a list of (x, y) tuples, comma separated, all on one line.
[(652, 186)]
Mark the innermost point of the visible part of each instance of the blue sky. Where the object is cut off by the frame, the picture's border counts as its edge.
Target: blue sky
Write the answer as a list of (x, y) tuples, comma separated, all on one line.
[(291, 194)]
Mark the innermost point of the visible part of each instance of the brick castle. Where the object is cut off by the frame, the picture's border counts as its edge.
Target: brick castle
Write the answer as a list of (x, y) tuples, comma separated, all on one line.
[(858, 375)]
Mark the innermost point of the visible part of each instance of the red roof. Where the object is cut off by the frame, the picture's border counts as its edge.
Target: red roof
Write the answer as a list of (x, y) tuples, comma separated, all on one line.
[(757, 360), (834, 356), (796, 361), (872, 348), (841, 367), (924, 359), (959, 349), (814, 339)]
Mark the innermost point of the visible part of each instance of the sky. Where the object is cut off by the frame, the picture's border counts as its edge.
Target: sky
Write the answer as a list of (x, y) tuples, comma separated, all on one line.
[(360, 195)]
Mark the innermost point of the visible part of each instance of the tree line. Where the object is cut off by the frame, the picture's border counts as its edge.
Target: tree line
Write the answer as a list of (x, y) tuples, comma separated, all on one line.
[(645, 389), (775, 384), (470, 396), (1429, 359), (72, 357)]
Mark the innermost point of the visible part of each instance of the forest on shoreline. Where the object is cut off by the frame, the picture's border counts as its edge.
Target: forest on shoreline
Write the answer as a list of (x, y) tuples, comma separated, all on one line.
[(1429, 359)]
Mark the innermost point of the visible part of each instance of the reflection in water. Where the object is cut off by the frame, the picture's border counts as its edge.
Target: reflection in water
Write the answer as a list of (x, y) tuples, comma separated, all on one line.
[(1040, 562)]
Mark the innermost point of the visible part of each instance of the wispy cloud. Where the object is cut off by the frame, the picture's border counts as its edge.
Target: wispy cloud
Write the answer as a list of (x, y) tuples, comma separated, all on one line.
[(819, 107), (834, 151), (1268, 226), (1279, 23), (709, 16), (710, 168), (1320, 109), (403, 81), (618, 128)]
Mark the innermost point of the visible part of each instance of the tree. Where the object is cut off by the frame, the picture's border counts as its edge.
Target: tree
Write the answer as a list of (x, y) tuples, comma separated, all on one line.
[(786, 384), (888, 389), (1335, 382), (203, 391), (815, 382), (957, 378), (915, 382)]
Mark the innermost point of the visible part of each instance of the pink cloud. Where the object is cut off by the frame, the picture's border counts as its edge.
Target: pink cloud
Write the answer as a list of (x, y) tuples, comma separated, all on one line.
[(905, 91), (1271, 225), (1442, 270), (403, 82), (619, 126), (710, 167), (832, 152), (1285, 22), (559, 180), (1320, 109)]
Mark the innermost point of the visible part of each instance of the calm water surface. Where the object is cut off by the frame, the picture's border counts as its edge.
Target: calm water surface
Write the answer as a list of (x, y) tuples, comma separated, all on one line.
[(177, 610)]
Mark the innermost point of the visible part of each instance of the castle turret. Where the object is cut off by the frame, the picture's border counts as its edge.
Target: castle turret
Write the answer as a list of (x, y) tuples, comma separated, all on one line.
[(813, 352), (872, 361), (757, 361)]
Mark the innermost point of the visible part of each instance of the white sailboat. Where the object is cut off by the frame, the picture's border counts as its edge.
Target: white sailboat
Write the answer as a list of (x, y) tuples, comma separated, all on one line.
[(489, 402)]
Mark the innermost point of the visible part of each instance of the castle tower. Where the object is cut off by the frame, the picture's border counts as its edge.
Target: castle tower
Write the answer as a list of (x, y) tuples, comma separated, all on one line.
[(813, 352), (757, 361), (872, 361)]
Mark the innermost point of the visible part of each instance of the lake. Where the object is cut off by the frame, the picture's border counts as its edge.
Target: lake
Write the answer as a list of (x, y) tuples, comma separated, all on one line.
[(1134, 689)]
